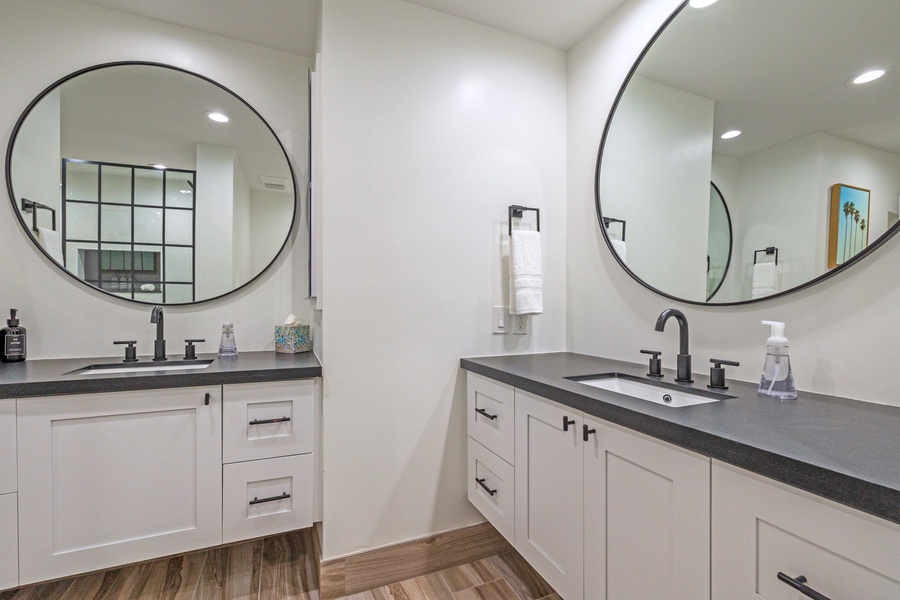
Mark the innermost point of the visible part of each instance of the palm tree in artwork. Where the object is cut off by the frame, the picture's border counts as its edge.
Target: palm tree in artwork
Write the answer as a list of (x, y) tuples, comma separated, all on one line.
[(862, 233), (855, 218), (848, 209)]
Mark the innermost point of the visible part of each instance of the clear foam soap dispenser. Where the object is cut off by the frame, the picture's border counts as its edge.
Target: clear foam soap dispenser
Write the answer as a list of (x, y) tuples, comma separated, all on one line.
[(777, 380), (227, 345)]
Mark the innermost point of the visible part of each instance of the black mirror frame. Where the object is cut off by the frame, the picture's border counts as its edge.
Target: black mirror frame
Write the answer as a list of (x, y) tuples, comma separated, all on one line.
[(59, 82), (891, 231), (730, 241)]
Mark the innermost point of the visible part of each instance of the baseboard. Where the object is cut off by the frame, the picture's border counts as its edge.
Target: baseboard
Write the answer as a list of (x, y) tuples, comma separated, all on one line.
[(390, 564)]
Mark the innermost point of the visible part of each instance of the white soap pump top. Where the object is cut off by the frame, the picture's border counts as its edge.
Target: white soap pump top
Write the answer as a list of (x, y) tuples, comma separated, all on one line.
[(777, 379)]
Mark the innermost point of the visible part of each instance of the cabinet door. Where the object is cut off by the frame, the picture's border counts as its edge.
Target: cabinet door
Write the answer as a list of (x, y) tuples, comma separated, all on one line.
[(7, 446), (109, 479), (549, 492), (646, 514), (762, 528), (9, 545)]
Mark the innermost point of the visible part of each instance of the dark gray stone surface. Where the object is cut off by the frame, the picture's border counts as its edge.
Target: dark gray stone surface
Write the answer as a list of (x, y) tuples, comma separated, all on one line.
[(844, 450), (54, 376)]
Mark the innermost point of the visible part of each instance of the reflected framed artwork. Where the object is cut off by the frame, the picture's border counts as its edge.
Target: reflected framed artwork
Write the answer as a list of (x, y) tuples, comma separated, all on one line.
[(848, 235)]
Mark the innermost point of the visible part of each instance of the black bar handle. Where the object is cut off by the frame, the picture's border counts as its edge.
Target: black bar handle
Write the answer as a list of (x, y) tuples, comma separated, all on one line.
[(267, 421), (485, 413), (256, 500), (587, 432), (206, 401), (797, 584), (486, 488), (566, 422)]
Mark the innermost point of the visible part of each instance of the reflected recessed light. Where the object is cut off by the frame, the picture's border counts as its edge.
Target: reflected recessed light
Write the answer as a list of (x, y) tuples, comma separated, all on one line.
[(159, 166), (731, 134), (868, 76), (218, 117), (701, 3)]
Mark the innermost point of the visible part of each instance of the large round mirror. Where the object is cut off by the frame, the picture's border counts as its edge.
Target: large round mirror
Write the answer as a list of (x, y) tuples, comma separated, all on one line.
[(813, 176), (151, 183)]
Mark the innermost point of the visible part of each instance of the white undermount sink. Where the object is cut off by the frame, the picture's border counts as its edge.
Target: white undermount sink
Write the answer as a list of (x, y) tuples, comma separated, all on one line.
[(652, 391), (147, 367)]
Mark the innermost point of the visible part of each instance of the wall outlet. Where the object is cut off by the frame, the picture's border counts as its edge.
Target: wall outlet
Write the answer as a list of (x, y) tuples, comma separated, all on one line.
[(519, 324), (500, 320)]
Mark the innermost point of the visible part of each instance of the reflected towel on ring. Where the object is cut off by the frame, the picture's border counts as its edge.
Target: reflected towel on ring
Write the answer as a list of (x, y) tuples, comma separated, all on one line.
[(52, 243), (619, 247), (764, 279)]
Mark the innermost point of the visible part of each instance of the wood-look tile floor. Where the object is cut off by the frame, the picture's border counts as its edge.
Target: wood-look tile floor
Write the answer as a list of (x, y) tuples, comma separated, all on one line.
[(501, 577), (283, 567)]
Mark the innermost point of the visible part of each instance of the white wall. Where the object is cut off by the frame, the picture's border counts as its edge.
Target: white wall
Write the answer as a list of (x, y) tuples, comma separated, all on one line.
[(432, 126), (270, 213), (656, 175), (43, 40), (214, 213), (242, 242), (833, 349)]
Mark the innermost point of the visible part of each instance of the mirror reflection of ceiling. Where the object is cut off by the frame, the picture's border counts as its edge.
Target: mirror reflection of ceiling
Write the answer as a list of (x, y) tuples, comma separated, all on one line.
[(103, 113), (780, 72)]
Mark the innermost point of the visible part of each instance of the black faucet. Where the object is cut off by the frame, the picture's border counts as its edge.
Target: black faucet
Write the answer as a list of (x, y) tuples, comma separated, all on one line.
[(159, 346), (683, 371)]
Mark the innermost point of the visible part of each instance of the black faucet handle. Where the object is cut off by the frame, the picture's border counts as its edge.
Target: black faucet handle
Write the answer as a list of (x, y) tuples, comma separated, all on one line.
[(130, 351), (655, 363), (717, 373), (190, 351)]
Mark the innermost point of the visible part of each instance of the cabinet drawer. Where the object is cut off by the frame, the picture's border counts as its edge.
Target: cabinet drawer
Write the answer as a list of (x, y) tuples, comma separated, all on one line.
[(9, 543), (264, 497), (489, 473), (264, 420), (7, 446), (762, 528), (490, 415)]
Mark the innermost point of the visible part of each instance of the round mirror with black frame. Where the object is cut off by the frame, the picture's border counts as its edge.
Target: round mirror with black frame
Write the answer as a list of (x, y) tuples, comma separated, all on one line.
[(151, 183), (719, 245), (790, 108)]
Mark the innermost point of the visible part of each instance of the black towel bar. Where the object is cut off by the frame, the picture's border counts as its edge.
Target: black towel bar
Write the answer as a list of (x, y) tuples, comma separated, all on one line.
[(770, 250)]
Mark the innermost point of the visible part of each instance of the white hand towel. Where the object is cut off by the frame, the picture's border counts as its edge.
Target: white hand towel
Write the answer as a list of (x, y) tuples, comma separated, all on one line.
[(619, 247), (764, 279), (525, 278), (52, 243)]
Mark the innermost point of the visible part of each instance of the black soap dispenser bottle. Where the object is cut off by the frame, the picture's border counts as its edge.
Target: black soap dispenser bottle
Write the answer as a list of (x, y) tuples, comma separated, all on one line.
[(13, 339)]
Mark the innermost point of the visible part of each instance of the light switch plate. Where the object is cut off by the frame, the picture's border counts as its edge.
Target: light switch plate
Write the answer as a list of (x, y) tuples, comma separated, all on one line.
[(500, 320)]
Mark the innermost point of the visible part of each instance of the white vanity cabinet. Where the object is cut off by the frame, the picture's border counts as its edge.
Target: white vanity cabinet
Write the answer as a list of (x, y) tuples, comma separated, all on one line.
[(549, 486), (490, 418), (113, 478), (601, 512), (646, 517), (9, 545), (761, 528), (268, 480)]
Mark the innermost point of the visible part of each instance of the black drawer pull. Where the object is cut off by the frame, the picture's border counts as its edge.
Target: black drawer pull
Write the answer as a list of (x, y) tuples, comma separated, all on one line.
[(485, 413), (588, 432), (283, 496), (267, 421), (206, 400), (797, 584), (566, 422), (486, 488)]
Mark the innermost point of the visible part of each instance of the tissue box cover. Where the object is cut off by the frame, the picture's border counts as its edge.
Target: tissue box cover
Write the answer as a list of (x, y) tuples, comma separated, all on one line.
[(291, 339)]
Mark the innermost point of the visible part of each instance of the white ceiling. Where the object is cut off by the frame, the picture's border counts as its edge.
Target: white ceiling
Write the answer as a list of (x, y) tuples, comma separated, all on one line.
[(290, 25)]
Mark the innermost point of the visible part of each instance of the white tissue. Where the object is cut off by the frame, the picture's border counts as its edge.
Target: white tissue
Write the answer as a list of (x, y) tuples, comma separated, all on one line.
[(291, 320), (148, 287)]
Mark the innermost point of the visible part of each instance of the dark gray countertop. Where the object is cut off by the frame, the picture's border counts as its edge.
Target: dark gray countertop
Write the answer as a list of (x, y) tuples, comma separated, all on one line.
[(844, 450), (54, 376)]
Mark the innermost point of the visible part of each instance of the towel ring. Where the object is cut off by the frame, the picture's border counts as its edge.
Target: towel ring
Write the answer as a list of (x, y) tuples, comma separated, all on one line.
[(516, 211), (770, 250)]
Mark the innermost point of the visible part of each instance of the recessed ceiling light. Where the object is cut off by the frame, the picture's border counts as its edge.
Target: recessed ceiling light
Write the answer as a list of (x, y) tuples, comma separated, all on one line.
[(868, 76), (701, 3), (159, 166), (218, 117), (731, 134)]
